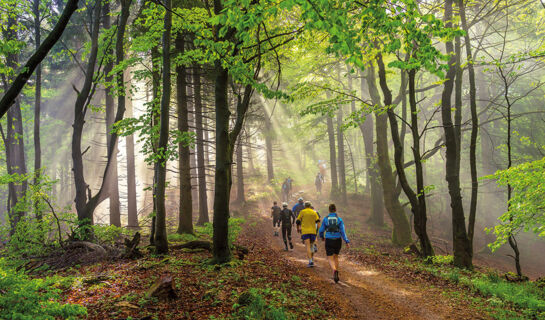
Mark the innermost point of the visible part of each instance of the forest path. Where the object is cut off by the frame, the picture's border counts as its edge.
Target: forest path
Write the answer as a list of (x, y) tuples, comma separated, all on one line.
[(370, 294)]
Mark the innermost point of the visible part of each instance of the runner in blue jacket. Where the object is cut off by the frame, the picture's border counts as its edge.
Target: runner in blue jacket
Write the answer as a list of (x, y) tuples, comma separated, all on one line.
[(333, 232)]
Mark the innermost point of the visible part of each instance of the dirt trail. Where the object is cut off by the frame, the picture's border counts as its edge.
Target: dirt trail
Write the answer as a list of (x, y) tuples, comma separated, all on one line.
[(371, 294)]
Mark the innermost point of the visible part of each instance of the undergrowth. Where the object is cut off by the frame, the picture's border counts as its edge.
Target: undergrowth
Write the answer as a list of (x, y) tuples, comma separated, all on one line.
[(25, 298), (498, 296)]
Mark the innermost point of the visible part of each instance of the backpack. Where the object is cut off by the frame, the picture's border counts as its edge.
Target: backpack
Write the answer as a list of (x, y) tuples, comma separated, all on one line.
[(333, 225)]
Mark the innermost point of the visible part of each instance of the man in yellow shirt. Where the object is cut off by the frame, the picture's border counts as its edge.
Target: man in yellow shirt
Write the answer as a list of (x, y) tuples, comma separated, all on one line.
[(306, 225)]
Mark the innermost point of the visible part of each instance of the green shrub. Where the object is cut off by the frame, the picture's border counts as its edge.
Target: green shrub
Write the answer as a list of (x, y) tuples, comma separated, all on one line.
[(33, 299), (186, 237), (235, 225), (108, 234), (441, 260), (524, 295)]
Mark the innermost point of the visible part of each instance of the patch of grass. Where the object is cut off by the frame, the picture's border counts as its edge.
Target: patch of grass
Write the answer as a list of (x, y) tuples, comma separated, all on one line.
[(253, 305), (186, 237), (441, 259), (524, 295), (26, 298), (499, 295)]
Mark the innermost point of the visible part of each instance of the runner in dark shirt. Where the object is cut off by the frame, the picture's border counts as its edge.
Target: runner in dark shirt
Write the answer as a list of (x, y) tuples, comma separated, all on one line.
[(275, 214), (288, 219)]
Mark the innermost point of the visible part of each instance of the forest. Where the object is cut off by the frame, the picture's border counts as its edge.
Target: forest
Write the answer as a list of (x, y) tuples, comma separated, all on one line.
[(148, 145)]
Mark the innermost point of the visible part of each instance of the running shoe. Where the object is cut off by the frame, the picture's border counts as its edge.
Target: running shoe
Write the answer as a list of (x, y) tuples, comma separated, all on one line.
[(336, 276), (311, 264), (291, 245)]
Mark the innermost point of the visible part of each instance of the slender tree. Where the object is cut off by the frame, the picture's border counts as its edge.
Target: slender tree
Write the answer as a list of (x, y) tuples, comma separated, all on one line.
[(185, 214), (200, 148), (161, 242), (462, 247), (37, 103)]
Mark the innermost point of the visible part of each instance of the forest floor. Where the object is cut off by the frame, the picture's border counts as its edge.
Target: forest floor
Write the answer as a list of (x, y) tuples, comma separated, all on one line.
[(378, 280)]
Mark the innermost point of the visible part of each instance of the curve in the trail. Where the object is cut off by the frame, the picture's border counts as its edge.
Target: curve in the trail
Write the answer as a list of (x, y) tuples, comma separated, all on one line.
[(371, 294)]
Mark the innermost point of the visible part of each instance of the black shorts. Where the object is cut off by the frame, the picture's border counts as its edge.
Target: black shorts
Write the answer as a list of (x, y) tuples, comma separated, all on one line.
[(333, 246), (276, 221)]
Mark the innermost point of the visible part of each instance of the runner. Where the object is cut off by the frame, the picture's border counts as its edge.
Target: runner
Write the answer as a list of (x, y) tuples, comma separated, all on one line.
[(285, 191), (306, 225), (333, 226), (288, 218), (275, 214), (318, 181), (290, 184), (298, 207)]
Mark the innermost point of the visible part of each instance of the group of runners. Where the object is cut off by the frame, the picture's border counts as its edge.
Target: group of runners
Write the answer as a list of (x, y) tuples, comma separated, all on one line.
[(331, 230)]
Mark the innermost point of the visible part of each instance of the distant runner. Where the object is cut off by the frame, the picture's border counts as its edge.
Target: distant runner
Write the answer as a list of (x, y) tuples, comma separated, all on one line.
[(285, 191), (288, 218), (290, 185), (275, 214), (306, 225), (333, 226), (318, 182)]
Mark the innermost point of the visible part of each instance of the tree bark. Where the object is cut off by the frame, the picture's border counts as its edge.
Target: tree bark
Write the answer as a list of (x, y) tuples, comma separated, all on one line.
[(155, 121), (401, 234), (341, 157), (161, 242), (85, 217), (373, 182), (332, 158), (200, 145), (418, 199), (474, 127), (37, 106), (240, 173), (221, 249), (462, 248), (17, 85), (132, 207), (185, 223), (268, 147), (112, 184)]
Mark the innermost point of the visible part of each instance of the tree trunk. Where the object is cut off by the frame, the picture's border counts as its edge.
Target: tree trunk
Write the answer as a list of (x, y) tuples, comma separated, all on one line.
[(132, 208), (373, 176), (341, 157), (155, 121), (85, 217), (268, 147), (474, 127), (332, 158), (37, 105), (221, 249), (458, 83), (161, 242), (112, 184), (401, 234), (185, 223), (240, 173), (462, 248), (203, 197)]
